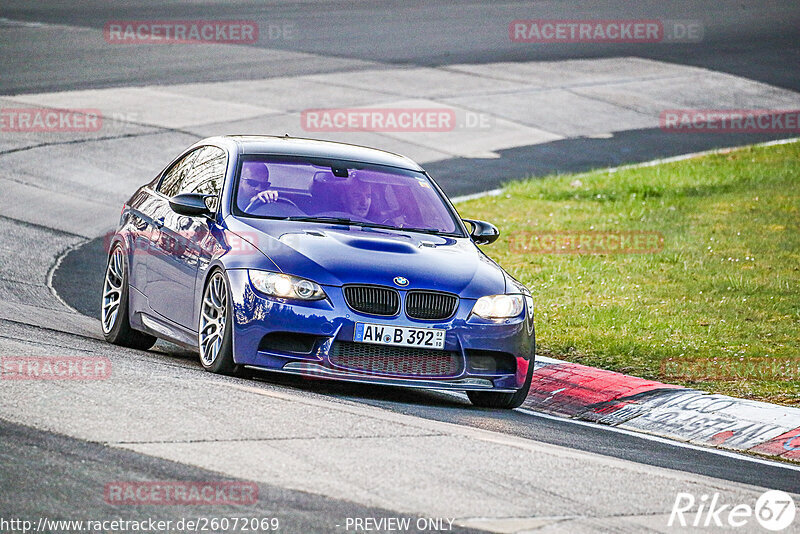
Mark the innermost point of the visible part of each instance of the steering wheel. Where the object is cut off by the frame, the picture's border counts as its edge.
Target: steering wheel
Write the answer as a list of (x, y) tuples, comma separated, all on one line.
[(287, 201), (256, 201)]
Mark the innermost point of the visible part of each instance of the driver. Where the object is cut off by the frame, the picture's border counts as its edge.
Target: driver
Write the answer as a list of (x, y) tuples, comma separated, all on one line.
[(254, 185)]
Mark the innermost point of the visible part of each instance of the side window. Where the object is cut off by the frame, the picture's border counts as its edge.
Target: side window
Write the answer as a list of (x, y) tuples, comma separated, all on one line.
[(207, 172), (172, 180)]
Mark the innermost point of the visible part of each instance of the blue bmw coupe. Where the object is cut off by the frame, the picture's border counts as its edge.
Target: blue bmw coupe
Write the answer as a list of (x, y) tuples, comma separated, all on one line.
[(318, 259)]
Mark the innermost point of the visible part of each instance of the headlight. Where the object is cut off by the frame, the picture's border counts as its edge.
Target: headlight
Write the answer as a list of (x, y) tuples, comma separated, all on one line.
[(499, 306), (286, 286)]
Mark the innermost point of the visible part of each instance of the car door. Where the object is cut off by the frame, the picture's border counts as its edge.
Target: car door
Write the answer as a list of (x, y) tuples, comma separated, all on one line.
[(142, 229), (180, 244), (158, 283)]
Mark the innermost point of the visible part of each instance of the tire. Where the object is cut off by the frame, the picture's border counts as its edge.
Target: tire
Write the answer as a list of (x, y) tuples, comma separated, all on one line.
[(214, 331), (504, 401), (114, 313)]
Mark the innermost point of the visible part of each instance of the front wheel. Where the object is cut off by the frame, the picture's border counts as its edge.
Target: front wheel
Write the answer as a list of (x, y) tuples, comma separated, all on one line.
[(505, 401), (114, 315), (215, 338)]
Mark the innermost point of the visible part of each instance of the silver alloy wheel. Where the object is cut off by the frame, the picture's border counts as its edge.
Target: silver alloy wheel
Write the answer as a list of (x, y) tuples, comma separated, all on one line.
[(112, 289), (213, 316)]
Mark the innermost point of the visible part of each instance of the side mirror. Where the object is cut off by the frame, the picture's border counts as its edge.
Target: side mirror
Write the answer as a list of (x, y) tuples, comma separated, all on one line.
[(191, 204), (483, 232)]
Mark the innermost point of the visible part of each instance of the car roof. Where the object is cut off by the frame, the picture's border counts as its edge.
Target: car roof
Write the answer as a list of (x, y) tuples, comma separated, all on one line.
[(295, 146)]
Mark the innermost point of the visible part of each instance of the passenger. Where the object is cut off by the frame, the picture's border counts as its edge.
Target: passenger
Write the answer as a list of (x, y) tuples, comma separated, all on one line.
[(363, 201), (358, 198)]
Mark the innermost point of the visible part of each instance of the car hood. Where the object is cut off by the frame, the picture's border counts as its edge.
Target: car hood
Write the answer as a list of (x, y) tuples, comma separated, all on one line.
[(336, 255)]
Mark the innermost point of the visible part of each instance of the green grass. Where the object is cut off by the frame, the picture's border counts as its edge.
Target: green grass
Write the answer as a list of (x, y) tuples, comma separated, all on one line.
[(725, 286)]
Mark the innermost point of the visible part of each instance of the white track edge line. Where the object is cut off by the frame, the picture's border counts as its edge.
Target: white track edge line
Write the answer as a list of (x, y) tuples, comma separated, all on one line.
[(52, 271), (667, 441)]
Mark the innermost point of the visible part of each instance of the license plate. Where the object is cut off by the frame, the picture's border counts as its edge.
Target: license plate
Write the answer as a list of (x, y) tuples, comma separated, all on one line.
[(401, 336)]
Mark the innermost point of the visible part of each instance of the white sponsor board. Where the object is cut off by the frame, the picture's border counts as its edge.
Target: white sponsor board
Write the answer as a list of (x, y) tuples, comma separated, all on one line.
[(728, 422)]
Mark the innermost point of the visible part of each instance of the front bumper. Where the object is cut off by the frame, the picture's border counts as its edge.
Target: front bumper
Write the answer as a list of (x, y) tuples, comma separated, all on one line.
[(331, 321), (317, 370)]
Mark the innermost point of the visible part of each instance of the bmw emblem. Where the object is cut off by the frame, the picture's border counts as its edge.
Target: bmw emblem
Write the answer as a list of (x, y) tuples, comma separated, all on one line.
[(400, 281)]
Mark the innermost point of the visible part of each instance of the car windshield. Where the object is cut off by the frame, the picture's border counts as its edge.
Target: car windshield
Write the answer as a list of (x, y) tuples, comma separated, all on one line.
[(341, 192)]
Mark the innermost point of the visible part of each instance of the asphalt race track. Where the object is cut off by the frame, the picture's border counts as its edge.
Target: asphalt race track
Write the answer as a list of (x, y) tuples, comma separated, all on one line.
[(323, 452)]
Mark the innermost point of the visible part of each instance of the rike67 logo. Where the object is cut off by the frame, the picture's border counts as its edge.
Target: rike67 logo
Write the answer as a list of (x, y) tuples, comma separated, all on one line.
[(774, 510)]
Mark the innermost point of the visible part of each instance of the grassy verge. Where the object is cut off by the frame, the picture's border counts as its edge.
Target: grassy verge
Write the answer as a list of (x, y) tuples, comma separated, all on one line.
[(717, 308)]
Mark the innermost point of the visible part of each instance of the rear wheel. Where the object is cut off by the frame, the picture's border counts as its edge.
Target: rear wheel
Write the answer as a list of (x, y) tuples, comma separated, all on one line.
[(506, 401), (215, 338), (114, 317)]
